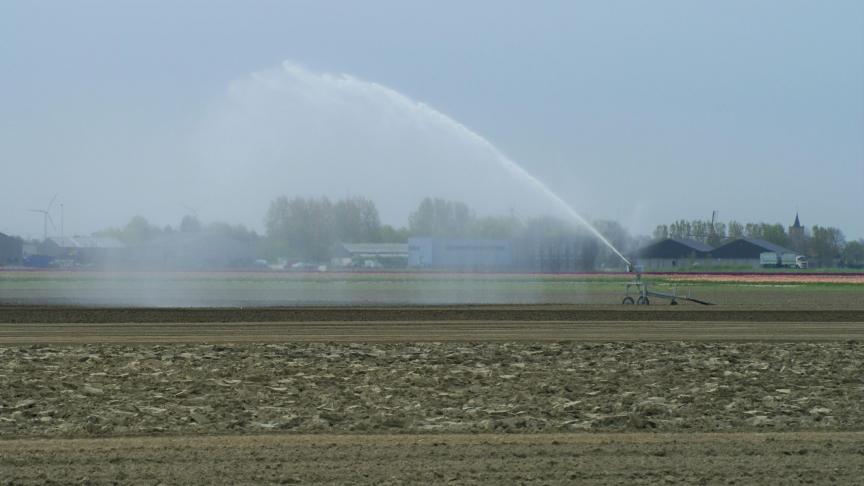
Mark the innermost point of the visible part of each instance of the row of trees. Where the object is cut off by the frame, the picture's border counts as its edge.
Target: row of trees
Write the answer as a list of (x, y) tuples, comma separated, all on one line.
[(308, 229), (714, 233), (139, 231)]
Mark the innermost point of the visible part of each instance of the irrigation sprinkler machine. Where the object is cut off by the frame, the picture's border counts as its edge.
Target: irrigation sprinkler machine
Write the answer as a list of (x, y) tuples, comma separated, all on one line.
[(642, 295)]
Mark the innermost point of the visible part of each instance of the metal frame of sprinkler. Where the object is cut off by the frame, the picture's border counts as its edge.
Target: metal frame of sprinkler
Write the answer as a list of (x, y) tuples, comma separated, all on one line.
[(642, 293)]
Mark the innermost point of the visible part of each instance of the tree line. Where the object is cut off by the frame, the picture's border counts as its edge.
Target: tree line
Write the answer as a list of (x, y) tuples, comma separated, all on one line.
[(139, 231), (308, 228)]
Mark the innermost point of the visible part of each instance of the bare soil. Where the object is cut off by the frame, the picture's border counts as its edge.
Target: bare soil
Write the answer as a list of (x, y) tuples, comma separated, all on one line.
[(598, 458), (501, 394), (11, 314), (110, 390), (21, 325)]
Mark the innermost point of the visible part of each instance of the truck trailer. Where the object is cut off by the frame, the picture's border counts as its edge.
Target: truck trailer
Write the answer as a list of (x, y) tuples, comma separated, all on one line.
[(772, 259)]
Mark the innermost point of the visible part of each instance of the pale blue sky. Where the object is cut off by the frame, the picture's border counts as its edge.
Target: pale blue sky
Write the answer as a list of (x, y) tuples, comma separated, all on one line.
[(641, 111)]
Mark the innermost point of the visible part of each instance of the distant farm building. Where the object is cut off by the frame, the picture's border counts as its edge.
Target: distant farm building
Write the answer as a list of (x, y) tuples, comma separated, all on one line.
[(83, 250), (11, 250), (370, 255), (459, 254), (745, 251), (674, 254)]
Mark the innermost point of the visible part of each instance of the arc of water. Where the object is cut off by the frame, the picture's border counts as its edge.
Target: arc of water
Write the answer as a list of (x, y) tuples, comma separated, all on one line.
[(520, 172), (517, 170), (348, 89)]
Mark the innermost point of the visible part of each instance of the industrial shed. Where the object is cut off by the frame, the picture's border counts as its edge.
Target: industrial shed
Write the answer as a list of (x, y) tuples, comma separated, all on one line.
[(673, 254), (370, 255), (459, 254), (84, 250), (745, 251)]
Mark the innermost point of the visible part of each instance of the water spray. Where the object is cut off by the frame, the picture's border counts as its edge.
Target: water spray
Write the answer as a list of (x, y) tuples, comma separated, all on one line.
[(331, 101), (515, 169)]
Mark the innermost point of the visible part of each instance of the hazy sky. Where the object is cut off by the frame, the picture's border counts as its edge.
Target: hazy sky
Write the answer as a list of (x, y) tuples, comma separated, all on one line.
[(639, 111)]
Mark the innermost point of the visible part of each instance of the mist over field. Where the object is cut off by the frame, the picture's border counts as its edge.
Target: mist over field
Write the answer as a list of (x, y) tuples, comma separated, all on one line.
[(291, 131)]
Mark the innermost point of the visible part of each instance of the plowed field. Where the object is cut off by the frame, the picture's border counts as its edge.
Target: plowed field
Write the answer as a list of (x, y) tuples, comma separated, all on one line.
[(595, 458), (477, 394)]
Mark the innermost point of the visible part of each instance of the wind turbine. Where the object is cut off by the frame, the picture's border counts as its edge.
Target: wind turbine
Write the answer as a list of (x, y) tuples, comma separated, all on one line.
[(46, 216)]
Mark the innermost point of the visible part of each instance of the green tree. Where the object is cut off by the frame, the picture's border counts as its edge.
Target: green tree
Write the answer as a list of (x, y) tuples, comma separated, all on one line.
[(614, 233), (853, 254), (356, 220), (775, 233), (699, 229), (735, 229), (546, 227), (753, 230), (390, 234), (301, 228), (190, 224), (825, 245), (680, 229), (439, 217), (496, 227), (716, 234), (138, 230), (235, 231)]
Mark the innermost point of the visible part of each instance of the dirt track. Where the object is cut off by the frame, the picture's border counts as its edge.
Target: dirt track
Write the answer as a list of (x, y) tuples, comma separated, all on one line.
[(428, 331), (76, 325), (794, 458), (569, 313)]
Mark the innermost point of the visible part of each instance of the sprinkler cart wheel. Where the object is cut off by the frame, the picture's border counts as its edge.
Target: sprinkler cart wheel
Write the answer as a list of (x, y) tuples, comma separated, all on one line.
[(642, 291)]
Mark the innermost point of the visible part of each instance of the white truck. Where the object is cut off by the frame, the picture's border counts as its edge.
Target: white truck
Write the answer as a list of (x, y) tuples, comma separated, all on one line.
[(778, 260)]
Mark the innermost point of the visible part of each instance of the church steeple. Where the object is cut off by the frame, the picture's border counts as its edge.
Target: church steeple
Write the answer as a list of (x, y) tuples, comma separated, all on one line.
[(796, 235)]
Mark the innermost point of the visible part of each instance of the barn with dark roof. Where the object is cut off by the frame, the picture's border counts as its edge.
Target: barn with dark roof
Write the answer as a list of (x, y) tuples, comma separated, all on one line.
[(673, 254), (745, 251)]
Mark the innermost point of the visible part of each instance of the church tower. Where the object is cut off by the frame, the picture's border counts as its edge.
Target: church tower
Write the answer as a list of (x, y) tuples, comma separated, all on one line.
[(796, 235)]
